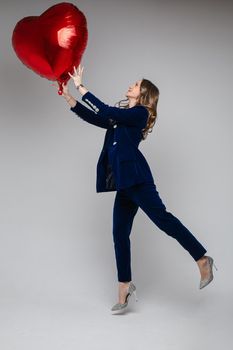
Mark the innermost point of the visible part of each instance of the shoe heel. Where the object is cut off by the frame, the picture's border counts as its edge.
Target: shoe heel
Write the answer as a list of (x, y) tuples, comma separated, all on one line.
[(135, 295), (212, 262)]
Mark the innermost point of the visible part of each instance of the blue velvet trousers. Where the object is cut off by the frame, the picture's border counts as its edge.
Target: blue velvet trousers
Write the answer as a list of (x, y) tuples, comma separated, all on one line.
[(126, 204)]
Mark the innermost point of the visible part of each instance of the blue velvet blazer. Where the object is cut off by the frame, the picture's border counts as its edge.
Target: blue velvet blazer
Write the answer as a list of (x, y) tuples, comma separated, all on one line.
[(123, 133)]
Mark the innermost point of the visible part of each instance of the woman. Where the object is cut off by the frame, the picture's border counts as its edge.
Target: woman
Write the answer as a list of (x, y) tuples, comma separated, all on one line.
[(123, 168)]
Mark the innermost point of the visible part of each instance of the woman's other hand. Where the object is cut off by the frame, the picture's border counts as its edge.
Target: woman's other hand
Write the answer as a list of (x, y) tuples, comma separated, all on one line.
[(65, 89), (66, 94)]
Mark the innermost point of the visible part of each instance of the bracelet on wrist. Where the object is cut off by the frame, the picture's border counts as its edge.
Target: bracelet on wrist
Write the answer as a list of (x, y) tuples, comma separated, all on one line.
[(80, 85)]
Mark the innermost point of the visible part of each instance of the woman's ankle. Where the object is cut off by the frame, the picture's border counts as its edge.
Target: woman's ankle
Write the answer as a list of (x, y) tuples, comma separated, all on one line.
[(124, 283), (202, 261)]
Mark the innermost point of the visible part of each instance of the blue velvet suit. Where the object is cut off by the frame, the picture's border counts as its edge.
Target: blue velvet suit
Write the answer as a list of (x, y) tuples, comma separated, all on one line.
[(121, 167), (129, 166)]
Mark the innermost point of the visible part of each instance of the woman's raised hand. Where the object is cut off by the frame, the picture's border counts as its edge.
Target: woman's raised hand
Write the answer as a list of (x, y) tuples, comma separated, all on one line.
[(77, 77)]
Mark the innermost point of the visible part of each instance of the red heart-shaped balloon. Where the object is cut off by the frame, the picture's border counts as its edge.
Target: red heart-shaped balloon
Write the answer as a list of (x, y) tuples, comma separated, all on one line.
[(53, 43)]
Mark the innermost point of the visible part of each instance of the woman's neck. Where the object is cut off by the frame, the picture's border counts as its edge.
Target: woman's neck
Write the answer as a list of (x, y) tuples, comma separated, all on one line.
[(132, 102)]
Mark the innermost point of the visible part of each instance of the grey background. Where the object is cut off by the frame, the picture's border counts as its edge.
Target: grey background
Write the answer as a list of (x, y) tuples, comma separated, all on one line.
[(57, 266)]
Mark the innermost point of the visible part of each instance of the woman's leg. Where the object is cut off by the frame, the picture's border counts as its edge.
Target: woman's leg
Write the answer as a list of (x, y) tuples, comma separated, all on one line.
[(124, 211), (147, 198)]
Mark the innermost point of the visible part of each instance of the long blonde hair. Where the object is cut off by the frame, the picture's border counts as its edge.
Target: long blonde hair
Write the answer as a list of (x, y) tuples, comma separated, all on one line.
[(149, 96)]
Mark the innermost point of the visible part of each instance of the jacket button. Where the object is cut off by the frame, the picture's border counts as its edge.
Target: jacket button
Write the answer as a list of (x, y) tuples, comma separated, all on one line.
[(114, 142)]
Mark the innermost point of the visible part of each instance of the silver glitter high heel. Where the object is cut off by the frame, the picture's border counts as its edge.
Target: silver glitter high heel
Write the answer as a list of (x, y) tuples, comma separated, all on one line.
[(120, 307), (204, 282)]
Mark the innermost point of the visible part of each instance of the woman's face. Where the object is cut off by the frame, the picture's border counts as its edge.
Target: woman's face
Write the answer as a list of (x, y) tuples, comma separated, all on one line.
[(134, 90)]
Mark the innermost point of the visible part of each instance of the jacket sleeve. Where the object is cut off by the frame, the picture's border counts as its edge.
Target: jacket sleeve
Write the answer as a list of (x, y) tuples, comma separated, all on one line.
[(89, 116), (134, 116)]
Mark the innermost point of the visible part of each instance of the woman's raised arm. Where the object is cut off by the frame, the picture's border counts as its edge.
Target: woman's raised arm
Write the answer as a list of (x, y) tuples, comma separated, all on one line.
[(134, 116)]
